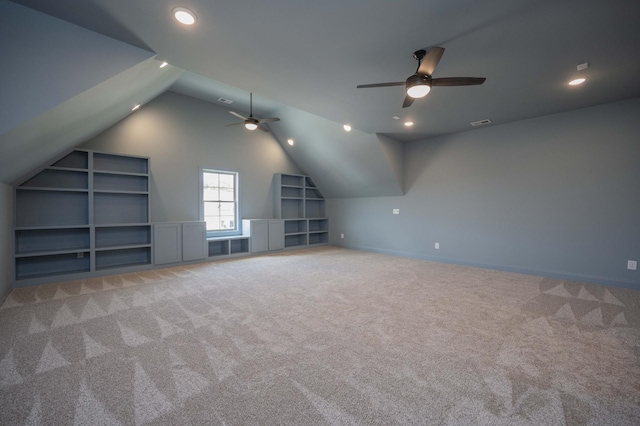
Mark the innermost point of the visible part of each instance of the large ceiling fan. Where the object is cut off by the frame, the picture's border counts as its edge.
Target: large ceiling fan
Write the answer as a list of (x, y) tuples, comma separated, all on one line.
[(251, 122), (420, 83)]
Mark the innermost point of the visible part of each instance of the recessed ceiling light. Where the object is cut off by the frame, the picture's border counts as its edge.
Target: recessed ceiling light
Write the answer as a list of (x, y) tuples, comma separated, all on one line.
[(347, 128), (577, 81), (290, 142), (408, 123), (164, 64), (184, 16), (395, 117), (135, 107)]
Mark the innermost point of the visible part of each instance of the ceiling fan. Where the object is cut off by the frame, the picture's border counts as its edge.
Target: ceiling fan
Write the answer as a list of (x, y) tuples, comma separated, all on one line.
[(251, 122), (420, 83)]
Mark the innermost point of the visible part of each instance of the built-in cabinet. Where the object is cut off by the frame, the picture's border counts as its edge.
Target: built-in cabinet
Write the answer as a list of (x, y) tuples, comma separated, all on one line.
[(266, 234), (302, 207), (85, 213), (179, 242)]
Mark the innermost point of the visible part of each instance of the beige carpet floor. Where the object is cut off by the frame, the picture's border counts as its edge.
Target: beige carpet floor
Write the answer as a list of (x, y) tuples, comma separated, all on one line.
[(323, 336)]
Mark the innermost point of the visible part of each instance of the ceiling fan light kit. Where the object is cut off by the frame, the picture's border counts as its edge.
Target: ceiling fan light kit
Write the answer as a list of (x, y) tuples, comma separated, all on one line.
[(251, 124), (418, 86)]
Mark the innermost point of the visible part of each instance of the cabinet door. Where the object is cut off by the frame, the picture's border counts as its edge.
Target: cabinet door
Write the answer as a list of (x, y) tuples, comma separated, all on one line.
[(259, 236), (276, 234), (194, 240), (167, 243)]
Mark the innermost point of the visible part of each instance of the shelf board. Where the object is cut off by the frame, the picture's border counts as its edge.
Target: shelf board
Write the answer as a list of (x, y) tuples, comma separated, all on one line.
[(35, 253), (40, 188), (67, 169), (46, 227), (122, 247), (111, 191), (123, 225), (112, 172)]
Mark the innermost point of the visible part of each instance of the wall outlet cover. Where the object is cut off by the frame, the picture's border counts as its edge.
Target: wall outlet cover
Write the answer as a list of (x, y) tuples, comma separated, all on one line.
[(632, 265), (396, 211), (437, 246)]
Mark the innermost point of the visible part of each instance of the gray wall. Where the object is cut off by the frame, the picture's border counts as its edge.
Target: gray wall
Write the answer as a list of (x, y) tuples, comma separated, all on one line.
[(556, 196), (180, 134), (6, 254)]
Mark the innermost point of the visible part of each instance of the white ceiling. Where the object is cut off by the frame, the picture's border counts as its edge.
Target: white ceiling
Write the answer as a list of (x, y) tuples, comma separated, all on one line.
[(310, 54)]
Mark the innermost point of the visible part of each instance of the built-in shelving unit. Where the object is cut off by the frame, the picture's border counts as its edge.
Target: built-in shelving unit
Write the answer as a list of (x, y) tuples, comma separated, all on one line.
[(302, 206), (229, 246), (87, 212)]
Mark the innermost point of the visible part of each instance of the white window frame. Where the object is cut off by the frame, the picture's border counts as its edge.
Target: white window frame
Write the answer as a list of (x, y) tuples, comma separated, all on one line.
[(237, 229)]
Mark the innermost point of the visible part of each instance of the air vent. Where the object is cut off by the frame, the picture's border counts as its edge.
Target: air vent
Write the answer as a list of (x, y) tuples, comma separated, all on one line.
[(481, 122), (225, 101)]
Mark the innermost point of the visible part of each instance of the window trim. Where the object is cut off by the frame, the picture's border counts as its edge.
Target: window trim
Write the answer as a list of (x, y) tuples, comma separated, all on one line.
[(238, 226)]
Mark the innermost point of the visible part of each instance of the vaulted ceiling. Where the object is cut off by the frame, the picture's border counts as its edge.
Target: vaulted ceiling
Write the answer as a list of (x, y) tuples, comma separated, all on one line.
[(303, 59)]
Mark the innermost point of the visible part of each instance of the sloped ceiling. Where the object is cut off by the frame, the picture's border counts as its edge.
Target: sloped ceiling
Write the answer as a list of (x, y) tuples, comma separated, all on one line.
[(303, 59), (64, 84)]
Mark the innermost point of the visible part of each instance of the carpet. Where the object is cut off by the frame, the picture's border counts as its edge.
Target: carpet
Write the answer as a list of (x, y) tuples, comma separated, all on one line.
[(324, 336)]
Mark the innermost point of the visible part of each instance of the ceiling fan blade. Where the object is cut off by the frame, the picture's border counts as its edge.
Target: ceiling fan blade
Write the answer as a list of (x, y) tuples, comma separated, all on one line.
[(232, 124), (267, 120), (457, 81), (431, 60), (408, 100), (397, 83), (264, 129), (238, 115)]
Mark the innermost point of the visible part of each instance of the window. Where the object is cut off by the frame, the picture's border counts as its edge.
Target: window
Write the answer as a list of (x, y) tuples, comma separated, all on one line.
[(220, 199)]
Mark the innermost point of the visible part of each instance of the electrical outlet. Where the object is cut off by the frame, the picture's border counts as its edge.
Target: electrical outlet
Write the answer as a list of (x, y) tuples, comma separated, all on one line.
[(341, 235), (396, 211), (632, 265), (437, 246)]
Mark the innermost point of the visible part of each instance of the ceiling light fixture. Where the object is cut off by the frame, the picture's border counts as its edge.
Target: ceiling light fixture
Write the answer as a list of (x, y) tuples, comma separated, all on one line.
[(418, 86), (164, 64), (251, 124), (290, 142), (184, 16), (577, 81), (408, 123), (135, 107), (347, 128)]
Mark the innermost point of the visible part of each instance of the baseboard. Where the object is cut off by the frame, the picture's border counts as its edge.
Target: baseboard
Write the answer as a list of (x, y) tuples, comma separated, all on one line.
[(542, 273)]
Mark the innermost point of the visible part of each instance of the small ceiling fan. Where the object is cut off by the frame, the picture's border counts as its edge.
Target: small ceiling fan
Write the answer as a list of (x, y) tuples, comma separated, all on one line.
[(251, 122), (420, 83)]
